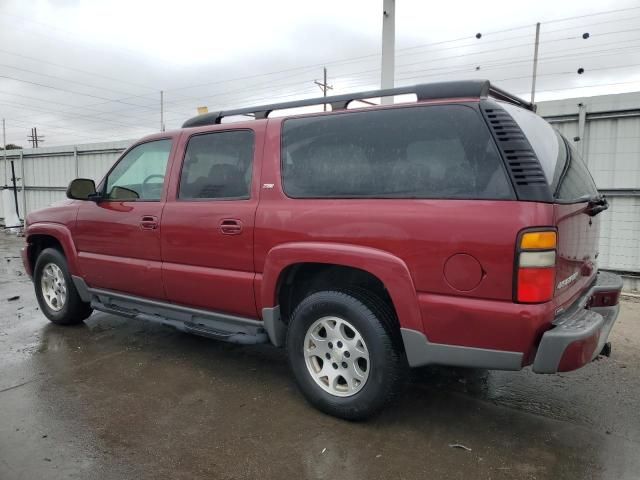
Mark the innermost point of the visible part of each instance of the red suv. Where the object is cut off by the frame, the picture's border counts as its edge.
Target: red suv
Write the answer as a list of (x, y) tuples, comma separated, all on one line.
[(460, 229)]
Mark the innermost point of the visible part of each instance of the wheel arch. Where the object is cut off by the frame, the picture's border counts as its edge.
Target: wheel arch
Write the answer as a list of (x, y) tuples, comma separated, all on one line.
[(388, 269), (51, 235)]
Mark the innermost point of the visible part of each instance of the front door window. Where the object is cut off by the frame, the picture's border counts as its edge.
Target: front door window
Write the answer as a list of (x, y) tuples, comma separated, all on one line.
[(140, 174)]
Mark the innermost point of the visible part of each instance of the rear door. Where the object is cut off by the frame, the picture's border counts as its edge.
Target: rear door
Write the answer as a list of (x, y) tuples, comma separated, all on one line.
[(118, 238), (208, 222)]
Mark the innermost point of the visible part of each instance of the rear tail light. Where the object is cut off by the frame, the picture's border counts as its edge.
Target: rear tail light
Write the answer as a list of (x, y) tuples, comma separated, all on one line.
[(536, 266)]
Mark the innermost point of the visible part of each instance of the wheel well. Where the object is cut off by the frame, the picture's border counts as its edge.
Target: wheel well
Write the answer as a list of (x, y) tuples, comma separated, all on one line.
[(300, 280), (38, 243)]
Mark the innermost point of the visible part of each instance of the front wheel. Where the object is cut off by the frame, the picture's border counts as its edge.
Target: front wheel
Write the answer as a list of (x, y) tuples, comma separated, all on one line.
[(344, 354), (55, 291)]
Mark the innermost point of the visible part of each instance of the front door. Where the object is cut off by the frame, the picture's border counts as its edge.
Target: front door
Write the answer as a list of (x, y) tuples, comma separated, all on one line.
[(208, 222), (118, 238)]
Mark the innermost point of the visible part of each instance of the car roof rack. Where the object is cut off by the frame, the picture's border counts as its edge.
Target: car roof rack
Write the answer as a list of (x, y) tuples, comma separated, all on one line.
[(424, 91)]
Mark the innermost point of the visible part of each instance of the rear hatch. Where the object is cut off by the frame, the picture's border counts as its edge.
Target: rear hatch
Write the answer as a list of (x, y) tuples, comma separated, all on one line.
[(576, 217), (576, 206)]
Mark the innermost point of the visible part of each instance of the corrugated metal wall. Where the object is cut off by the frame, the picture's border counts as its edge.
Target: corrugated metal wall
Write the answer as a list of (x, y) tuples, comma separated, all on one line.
[(610, 144), (608, 127), (46, 172)]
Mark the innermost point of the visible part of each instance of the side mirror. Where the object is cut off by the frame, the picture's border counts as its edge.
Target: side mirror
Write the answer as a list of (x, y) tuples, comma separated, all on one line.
[(81, 189), (123, 194)]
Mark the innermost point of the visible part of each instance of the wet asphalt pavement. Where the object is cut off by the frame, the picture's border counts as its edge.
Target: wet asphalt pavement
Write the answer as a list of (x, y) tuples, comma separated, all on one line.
[(120, 399)]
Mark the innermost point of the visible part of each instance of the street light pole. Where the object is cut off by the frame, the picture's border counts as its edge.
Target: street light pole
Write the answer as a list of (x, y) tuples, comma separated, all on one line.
[(4, 145)]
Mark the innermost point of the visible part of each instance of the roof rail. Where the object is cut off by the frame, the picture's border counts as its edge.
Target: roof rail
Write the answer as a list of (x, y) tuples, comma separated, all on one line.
[(424, 91)]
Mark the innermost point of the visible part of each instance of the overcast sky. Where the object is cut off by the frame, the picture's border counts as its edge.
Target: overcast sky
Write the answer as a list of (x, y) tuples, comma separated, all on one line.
[(91, 70)]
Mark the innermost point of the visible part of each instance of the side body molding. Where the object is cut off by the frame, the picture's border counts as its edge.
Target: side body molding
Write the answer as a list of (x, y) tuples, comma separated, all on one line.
[(391, 270)]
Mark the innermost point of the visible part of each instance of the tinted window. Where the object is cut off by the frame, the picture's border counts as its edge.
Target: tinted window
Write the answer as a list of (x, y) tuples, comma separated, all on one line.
[(218, 165), (415, 152), (140, 173), (541, 136), (574, 181), (566, 173)]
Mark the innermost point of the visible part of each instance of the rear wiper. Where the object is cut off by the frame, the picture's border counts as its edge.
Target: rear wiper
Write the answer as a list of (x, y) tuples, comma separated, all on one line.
[(597, 204)]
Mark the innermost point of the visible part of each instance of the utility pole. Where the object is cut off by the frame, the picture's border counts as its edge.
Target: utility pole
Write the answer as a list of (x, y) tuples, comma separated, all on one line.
[(34, 138), (4, 146), (161, 110), (535, 64), (387, 66), (324, 86)]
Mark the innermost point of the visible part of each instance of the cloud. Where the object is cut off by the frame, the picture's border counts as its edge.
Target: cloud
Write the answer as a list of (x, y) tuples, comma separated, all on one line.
[(92, 70)]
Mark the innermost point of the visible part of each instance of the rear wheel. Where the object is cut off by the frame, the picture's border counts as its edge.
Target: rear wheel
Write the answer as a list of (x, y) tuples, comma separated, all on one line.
[(343, 354), (55, 291)]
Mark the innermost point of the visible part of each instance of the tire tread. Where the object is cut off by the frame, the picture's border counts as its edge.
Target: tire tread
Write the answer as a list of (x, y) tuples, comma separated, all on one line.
[(383, 322), (75, 311)]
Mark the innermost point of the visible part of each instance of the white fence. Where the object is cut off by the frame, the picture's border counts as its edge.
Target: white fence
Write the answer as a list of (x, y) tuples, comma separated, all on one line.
[(608, 127)]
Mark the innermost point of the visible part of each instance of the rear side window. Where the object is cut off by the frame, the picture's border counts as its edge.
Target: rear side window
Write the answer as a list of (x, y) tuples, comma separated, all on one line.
[(567, 175), (442, 151), (218, 166)]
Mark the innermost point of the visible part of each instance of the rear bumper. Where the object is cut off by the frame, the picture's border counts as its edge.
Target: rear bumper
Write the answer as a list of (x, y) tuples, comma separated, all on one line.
[(578, 335)]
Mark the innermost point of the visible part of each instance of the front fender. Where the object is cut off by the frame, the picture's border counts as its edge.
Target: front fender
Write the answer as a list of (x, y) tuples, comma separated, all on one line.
[(388, 268), (62, 234)]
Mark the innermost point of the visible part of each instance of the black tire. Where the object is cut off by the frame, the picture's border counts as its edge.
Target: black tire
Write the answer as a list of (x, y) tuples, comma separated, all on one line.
[(376, 324), (74, 310)]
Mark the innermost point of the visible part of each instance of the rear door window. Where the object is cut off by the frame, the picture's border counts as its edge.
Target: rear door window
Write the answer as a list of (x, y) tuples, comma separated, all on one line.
[(218, 166), (443, 151)]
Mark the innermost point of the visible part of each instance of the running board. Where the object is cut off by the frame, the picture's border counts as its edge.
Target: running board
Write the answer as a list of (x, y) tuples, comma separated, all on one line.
[(219, 326)]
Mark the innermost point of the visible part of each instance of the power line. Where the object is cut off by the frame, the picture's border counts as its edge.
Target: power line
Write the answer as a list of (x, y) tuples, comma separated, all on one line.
[(72, 91), (90, 118), (50, 27), (46, 25), (84, 118), (26, 70), (590, 86), (188, 99), (448, 70), (269, 84), (512, 61), (73, 69), (375, 55), (228, 95), (65, 130), (509, 47)]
